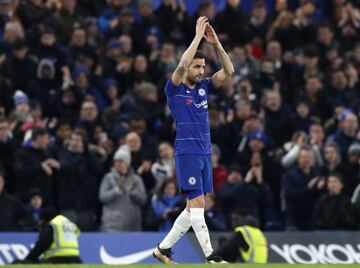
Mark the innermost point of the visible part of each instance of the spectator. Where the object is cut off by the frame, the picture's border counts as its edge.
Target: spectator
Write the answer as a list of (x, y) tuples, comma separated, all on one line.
[(333, 209), (12, 212), (351, 169), (346, 132), (301, 185), (122, 194), (33, 209), (219, 171), (214, 219), (164, 168), (34, 167), (17, 62), (7, 151), (78, 181), (167, 204)]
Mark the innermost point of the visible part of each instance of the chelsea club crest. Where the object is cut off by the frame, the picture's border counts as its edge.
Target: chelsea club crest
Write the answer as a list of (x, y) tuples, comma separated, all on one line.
[(202, 92)]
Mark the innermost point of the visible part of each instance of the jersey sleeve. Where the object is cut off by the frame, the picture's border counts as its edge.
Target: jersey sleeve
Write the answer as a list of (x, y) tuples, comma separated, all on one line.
[(170, 89)]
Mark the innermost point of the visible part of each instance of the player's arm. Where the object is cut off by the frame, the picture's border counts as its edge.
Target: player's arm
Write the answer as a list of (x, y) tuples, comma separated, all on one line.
[(227, 69), (189, 53)]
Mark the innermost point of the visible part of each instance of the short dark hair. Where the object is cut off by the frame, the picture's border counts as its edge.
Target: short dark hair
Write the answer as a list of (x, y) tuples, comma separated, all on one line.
[(199, 54), (47, 214), (338, 176), (37, 132)]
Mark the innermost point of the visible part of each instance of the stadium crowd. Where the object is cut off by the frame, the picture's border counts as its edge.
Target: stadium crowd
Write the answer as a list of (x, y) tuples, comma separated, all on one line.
[(84, 124)]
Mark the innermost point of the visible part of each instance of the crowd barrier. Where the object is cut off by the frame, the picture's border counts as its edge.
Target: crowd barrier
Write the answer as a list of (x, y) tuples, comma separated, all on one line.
[(128, 248)]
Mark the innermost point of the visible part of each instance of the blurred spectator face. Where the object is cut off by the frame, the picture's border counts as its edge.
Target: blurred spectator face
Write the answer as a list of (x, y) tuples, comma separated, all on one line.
[(208, 10), (138, 125), (238, 55), (311, 62), (47, 39), (126, 43), (41, 142), (169, 2), (118, 4), (20, 53), (76, 143), (350, 125), (69, 5), (302, 110), (325, 35), (170, 189), (242, 110), (354, 158), (68, 97), (112, 92), (140, 64), (36, 201), (273, 50), (259, 11), (121, 167), (82, 81), (36, 2), (330, 154), (145, 9), (13, 31), (256, 145), (78, 38), (133, 141), (89, 111), (244, 88), (272, 100), (334, 185), (234, 3), (234, 177), (166, 151), (316, 132), (2, 183), (281, 5), (4, 130), (63, 131), (306, 159), (22, 109), (167, 51), (357, 52), (196, 70), (339, 80), (313, 85)]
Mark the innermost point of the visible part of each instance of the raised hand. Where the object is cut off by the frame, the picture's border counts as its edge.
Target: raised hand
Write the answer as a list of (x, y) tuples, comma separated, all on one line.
[(201, 25), (211, 36)]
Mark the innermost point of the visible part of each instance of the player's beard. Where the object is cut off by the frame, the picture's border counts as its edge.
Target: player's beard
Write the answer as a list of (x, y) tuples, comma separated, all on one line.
[(195, 78)]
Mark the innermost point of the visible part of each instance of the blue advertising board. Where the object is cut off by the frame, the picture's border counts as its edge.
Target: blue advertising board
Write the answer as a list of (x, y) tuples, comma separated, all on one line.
[(108, 248)]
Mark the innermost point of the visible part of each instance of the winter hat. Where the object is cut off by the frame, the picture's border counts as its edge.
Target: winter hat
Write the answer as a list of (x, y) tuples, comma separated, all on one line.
[(20, 97), (114, 43), (77, 71), (45, 63), (354, 149), (110, 82), (123, 153)]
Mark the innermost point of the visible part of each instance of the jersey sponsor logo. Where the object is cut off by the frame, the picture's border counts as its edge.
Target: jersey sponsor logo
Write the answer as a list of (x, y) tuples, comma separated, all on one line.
[(188, 101), (126, 259), (202, 92), (203, 104), (192, 181)]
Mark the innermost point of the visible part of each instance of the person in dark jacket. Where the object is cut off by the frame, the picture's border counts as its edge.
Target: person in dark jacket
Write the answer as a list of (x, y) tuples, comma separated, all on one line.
[(34, 167), (7, 150), (78, 181), (333, 209), (301, 185), (11, 210)]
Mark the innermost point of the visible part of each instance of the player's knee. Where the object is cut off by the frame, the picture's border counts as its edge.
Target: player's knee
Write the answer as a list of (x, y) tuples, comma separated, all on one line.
[(196, 202)]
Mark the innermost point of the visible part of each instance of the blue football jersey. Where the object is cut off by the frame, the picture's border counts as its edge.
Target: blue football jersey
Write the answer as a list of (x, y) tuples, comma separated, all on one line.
[(189, 108)]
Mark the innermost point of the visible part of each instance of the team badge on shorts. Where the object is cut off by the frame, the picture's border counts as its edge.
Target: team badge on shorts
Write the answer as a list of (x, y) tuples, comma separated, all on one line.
[(192, 180), (202, 92)]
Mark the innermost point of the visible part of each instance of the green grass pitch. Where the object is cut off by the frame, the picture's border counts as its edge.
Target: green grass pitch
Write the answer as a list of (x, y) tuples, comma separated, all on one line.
[(189, 266)]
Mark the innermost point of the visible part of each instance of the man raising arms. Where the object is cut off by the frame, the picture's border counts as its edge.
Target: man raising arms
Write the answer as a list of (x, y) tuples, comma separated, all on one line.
[(187, 94)]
